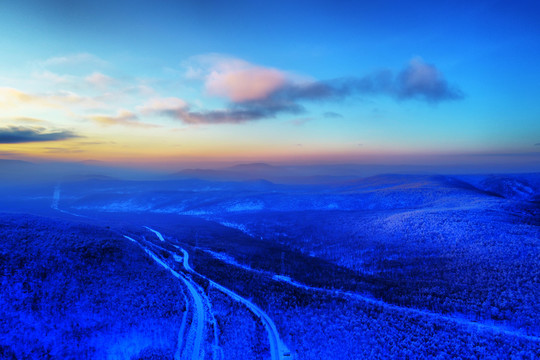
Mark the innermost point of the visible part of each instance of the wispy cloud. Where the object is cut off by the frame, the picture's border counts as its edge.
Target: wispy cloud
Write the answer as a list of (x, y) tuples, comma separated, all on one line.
[(55, 79), (11, 95), (178, 109), (8, 153), (300, 121), (13, 98), (30, 120), (332, 115), (238, 114), (234, 114), (123, 118), (73, 59), (62, 150), (170, 106), (99, 80), (18, 134)]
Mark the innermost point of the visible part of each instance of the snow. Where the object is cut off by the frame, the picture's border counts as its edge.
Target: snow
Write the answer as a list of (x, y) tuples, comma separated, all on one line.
[(236, 226), (246, 206), (197, 298), (158, 234)]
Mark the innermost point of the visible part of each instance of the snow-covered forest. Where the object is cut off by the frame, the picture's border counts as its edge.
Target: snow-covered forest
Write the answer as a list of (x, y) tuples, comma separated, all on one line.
[(389, 266)]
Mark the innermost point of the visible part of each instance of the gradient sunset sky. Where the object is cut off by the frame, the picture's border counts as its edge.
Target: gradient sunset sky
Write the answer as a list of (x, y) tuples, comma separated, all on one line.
[(166, 83)]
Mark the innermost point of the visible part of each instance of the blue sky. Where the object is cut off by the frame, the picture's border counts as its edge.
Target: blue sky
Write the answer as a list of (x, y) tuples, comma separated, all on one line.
[(297, 81)]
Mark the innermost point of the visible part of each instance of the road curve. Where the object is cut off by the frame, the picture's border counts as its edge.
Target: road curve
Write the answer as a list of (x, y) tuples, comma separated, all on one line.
[(277, 348), (199, 315), (158, 234)]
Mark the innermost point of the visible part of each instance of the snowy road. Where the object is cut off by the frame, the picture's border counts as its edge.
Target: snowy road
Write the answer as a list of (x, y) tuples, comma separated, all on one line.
[(181, 335), (158, 234), (204, 303), (356, 296), (277, 348), (56, 201), (199, 307)]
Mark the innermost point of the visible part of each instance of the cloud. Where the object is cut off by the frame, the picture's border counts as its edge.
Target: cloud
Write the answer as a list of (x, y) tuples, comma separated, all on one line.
[(246, 111), (537, 144), (124, 118), (79, 72), (55, 79), (421, 80), (200, 66), (18, 134), (95, 89), (28, 120), (300, 121), (238, 113), (8, 153), (233, 78), (255, 92), (99, 80), (170, 106), (63, 150), (73, 59), (240, 81), (11, 95), (247, 84), (417, 80), (332, 115), (12, 98)]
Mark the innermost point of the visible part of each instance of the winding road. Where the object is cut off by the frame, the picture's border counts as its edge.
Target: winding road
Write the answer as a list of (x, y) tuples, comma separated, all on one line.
[(352, 295), (197, 298), (277, 348), (204, 303), (194, 339)]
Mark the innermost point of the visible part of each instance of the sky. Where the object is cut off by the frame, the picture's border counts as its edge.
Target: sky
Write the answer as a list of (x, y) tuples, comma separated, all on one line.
[(173, 83)]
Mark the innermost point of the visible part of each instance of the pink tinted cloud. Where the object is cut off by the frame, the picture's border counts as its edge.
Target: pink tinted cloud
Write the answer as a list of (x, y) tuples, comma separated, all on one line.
[(257, 92), (235, 79), (241, 85)]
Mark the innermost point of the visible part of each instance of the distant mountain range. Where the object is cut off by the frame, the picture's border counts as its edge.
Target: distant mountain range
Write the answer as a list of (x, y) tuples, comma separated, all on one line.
[(299, 174)]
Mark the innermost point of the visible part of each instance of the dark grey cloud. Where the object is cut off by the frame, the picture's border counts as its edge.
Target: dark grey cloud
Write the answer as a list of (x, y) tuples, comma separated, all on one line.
[(236, 113), (17, 134), (537, 144), (418, 80), (424, 81)]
